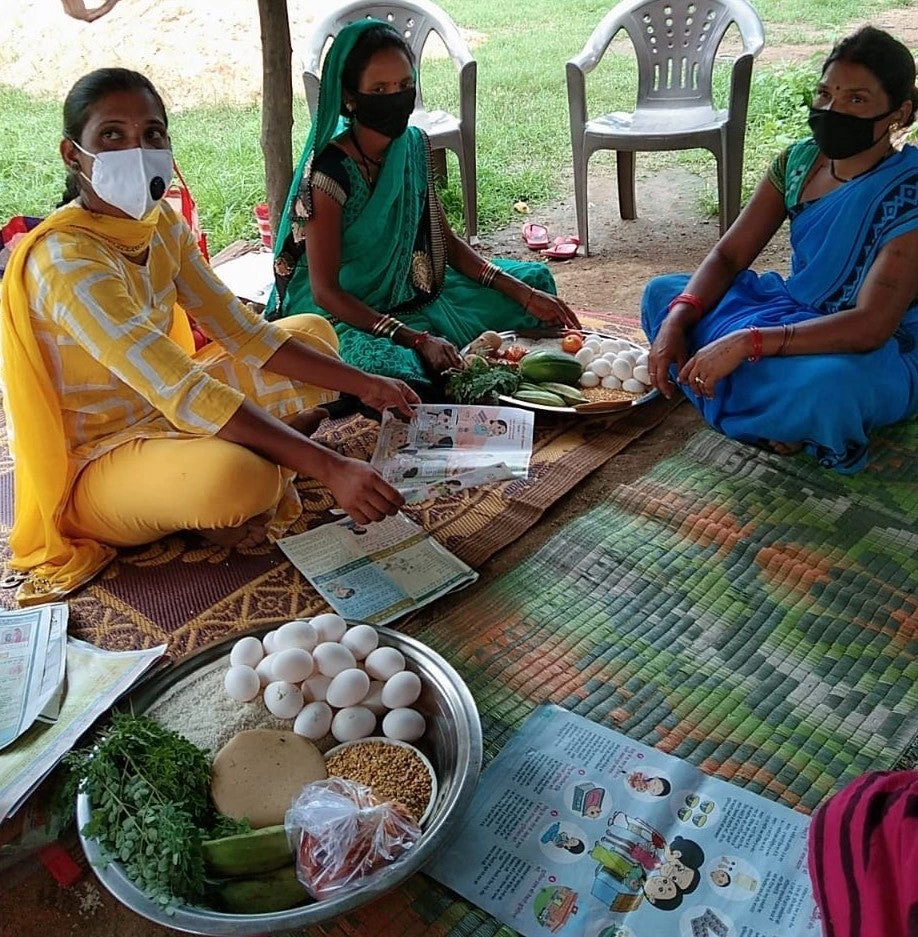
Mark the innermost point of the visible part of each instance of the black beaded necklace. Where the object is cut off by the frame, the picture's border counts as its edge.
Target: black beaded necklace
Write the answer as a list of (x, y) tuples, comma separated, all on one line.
[(366, 160)]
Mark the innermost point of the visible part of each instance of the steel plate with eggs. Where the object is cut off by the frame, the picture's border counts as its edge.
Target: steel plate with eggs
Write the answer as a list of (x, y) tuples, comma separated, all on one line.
[(318, 707)]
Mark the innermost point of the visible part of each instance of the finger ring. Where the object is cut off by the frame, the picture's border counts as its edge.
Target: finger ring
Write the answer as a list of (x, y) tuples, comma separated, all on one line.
[(699, 380)]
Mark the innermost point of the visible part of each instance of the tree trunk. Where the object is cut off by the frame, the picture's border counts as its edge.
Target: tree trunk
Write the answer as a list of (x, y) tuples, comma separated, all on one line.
[(277, 103)]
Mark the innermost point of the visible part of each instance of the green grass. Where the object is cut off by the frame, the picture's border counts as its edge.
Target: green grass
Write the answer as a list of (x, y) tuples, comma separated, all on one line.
[(523, 135)]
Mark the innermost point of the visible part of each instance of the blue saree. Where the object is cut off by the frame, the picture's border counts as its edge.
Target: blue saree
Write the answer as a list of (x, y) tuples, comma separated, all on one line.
[(830, 402)]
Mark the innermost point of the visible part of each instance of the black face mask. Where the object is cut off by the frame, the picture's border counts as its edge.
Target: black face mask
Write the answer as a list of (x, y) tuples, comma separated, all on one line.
[(385, 113), (842, 135)]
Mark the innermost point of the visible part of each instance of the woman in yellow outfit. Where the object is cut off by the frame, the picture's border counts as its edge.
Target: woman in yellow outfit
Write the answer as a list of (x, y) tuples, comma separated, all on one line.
[(119, 432)]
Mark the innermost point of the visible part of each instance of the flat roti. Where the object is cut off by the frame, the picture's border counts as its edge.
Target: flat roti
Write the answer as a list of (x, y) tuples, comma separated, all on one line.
[(259, 772)]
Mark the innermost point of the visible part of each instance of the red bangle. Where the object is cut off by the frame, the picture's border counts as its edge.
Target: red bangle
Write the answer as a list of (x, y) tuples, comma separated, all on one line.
[(690, 300), (756, 345), (418, 339)]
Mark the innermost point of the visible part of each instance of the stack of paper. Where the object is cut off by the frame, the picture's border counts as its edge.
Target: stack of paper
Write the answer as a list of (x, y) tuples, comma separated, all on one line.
[(52, 689)]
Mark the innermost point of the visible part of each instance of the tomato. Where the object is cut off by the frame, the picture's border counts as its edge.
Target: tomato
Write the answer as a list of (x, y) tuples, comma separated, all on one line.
[(515, 353), (572, 343)]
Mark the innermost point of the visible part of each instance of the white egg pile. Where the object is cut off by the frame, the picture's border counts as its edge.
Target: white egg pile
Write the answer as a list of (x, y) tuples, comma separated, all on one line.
[(327, 677), (613, 363)]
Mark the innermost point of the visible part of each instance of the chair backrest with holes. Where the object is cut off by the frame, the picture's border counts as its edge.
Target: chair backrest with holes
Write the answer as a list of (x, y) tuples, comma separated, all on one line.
[(676, 43), (414, 19)]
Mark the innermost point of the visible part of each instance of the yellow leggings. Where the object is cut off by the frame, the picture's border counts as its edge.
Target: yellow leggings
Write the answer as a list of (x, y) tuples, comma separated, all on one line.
[(147, 488)]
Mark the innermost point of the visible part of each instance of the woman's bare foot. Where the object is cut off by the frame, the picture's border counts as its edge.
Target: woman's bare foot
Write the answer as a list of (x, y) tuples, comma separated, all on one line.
[(785, 448), (308, 421), (250, 534)]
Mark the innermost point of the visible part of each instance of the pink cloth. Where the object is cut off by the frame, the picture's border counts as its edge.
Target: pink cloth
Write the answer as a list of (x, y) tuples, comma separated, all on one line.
[(864, 857)]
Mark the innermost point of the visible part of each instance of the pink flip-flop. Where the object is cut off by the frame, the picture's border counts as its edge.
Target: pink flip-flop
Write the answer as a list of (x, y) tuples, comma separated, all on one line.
[(535, 236), (564, 248)]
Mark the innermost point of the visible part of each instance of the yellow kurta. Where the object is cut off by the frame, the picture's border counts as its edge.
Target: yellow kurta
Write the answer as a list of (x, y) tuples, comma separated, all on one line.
[(89, 364)]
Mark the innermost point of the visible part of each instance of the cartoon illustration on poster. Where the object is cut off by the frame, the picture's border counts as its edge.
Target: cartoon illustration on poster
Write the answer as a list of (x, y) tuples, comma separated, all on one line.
[(576, 829)]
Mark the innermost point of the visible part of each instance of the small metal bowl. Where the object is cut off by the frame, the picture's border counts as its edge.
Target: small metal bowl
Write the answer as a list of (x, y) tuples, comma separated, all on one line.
[(452, 743), (382, 740)]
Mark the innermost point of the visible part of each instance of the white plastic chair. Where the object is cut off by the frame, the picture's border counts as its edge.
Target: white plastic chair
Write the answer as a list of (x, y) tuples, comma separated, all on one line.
[(416, 20), (676, 43)]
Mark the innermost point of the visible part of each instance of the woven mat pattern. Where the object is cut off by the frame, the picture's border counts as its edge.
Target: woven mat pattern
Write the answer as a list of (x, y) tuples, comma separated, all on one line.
[(186, 592), (754, 615)]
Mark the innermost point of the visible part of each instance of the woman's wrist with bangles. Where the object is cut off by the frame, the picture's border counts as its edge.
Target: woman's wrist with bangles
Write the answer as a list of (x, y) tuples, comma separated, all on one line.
[(770, 342), (685, 309), (488, 274), (397, 332)]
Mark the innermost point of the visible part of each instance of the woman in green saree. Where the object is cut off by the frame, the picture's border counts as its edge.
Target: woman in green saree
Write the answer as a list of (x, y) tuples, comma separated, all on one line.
[(364, 240)]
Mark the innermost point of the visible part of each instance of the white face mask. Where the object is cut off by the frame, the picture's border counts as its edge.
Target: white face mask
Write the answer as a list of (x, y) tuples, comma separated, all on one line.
[(133, 180)]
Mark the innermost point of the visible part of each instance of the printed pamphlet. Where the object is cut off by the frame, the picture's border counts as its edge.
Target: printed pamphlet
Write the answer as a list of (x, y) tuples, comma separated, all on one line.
[(379, 572), (443, 441), (95, 679), (576, 830)]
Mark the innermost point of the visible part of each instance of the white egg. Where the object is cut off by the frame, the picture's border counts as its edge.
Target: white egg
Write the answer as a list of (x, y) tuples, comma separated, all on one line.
[(384, 662), (622, 368), (601, 367), (401, 689), (315, 689), (406, 725), (585, 356), (314, 721), (296, 633), (592, 337), (331, 658), (643, 359), (269, 642), (247, 651), (589, 379), (611, 383), (329, 627), (283, 699), (241, 683), (347, 689), (642, 374), (593, 345), (361, 640), (373, 699), (355, 722), (608, 345), (292, 664), (265, 669), (633, 355), (633, 386)]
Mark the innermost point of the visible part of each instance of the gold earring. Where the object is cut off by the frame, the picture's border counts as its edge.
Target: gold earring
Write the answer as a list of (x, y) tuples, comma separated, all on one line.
[(894, 126)]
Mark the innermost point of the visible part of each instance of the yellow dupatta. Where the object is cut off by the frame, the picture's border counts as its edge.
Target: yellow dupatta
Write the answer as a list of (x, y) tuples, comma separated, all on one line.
[(43, 472)]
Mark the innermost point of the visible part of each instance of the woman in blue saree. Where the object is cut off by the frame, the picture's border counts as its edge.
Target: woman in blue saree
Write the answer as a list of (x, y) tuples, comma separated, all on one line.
[(364, 240), (820, 359)]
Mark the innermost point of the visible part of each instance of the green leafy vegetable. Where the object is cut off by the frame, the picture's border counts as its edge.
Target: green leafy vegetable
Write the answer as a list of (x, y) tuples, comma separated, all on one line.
[(150, 793), (481, 383)]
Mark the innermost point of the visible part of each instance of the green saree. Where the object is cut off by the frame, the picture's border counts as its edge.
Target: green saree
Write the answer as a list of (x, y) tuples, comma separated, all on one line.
[(393, 250)]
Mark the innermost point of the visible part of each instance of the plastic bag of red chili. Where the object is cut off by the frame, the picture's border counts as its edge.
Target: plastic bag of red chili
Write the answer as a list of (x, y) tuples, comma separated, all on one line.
[(342, 833)]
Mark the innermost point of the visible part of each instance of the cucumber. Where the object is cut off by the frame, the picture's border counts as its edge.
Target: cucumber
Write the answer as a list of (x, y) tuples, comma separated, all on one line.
[(567, 393), (543, 397), (248, 853), (541, 366), (262, 894)]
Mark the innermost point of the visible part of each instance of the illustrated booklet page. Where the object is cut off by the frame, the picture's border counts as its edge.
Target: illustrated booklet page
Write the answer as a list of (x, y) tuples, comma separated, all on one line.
[(453, 447), (576, 830)]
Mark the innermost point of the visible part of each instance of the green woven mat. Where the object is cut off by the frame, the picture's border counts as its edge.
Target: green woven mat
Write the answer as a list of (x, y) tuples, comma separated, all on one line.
[(754, 615)]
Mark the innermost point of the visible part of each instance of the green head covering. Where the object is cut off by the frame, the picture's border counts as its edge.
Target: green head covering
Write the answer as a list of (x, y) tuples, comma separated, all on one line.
[(328, 121)]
